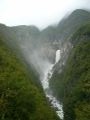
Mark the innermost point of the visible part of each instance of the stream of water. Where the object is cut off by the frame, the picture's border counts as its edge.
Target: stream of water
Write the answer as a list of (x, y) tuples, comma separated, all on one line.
[(45, 83)]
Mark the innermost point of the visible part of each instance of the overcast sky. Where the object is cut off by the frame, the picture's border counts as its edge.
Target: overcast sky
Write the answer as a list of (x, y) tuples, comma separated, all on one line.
[(37, 12)]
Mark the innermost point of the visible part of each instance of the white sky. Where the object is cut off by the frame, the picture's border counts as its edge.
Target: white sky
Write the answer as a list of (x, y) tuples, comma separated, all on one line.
[(37, 12)]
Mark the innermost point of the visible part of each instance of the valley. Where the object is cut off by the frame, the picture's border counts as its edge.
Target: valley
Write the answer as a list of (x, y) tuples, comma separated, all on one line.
[(49, 69)]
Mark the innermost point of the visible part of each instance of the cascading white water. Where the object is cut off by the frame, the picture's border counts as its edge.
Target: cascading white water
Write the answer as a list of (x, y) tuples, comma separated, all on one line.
[(57, 56), (45, 83)]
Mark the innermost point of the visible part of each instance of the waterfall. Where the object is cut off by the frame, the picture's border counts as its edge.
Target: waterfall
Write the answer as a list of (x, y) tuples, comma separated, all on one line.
[(58, 52), (45, 83)]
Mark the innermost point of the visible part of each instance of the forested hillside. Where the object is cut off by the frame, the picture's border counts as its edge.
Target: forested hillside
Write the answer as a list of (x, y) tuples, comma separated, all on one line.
[(72, 85), (20, 98)]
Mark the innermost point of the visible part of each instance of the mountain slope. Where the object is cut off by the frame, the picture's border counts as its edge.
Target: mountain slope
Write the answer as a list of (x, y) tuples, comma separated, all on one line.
[(20, 98), (38, 46), (70, 24), (29, 38), (72, 85)]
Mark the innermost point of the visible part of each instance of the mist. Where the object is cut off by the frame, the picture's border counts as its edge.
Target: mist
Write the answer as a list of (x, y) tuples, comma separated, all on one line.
[(36, 59), (40, 13)]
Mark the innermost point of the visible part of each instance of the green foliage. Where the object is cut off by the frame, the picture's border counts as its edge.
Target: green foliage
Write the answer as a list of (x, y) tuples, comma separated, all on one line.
[(20, 98), (72, 85), (77, 82)]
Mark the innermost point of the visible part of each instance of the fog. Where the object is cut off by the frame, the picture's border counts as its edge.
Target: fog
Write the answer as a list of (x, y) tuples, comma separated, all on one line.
[(37, 12), (36, 59)]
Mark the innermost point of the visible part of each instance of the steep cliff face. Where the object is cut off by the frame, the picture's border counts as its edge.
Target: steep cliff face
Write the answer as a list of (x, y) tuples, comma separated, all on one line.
[(71, 84)]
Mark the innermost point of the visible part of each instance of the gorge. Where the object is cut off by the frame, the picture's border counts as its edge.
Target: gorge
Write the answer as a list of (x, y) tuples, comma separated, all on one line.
[(44, 74)]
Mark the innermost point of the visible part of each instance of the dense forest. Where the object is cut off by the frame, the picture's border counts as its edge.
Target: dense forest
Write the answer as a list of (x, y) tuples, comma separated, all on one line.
[(72, 85), (20, 98)]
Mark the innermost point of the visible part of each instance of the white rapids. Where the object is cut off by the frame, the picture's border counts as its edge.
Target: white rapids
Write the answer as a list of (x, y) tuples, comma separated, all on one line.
[(45, 83)]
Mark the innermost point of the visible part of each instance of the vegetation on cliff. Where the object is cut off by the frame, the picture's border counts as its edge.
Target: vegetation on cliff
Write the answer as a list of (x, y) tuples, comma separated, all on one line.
[(72, 85), (20, 98)]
